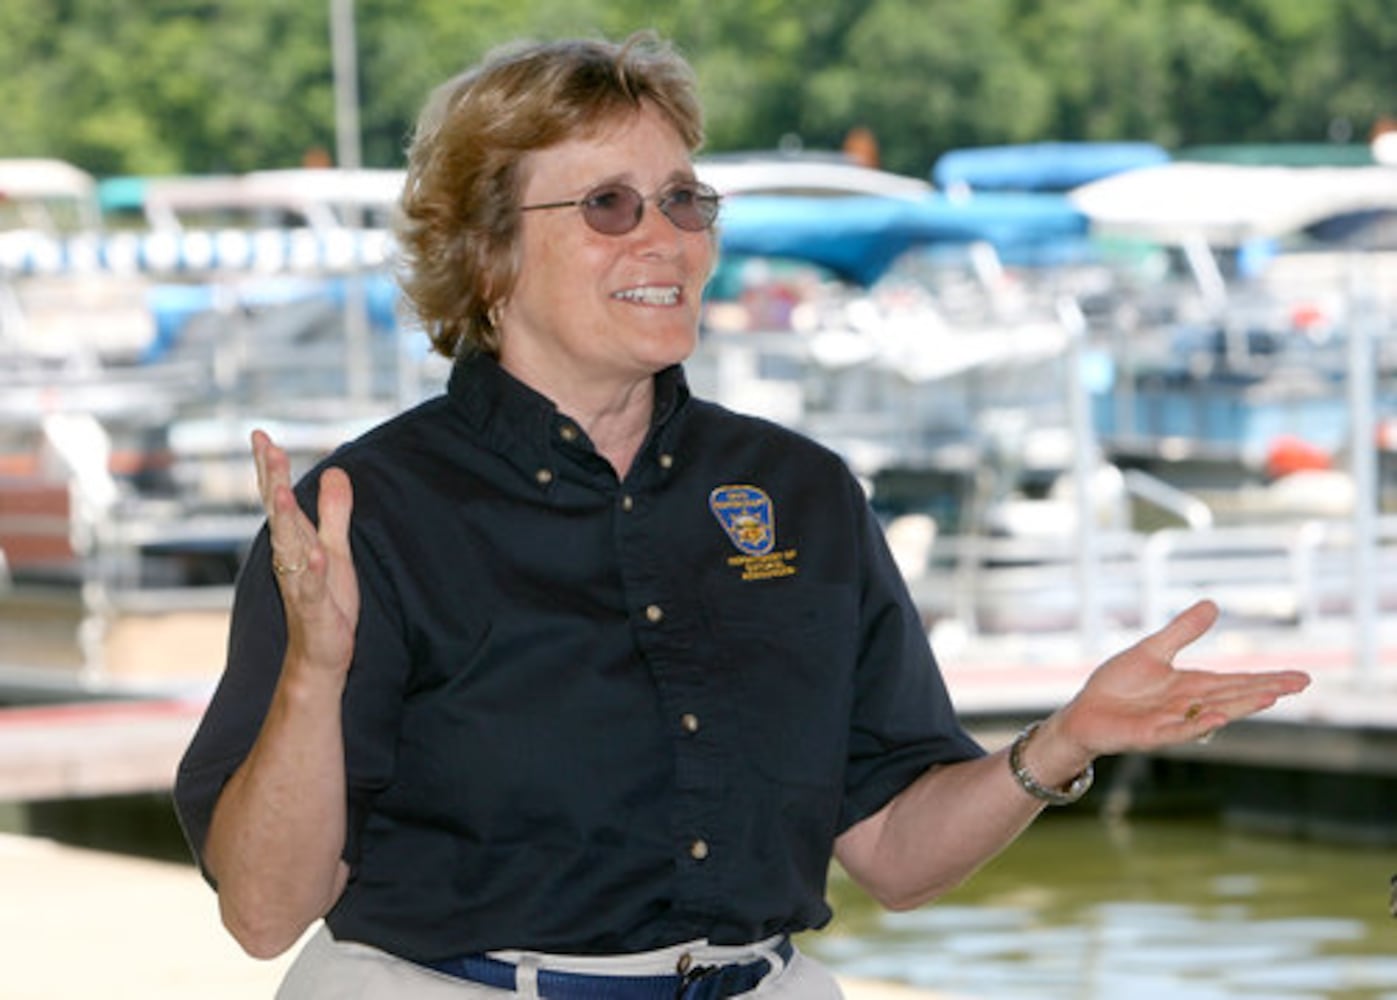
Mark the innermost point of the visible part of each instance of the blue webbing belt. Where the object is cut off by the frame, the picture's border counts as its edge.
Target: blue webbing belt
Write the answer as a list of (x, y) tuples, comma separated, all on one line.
[(700, 982)]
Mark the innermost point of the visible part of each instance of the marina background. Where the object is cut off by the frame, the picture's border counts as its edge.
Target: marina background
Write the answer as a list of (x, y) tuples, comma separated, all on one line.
[(1100, 337)]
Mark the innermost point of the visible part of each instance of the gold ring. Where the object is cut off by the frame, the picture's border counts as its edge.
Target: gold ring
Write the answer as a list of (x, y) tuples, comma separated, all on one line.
[(281, 569), (1193, 711)]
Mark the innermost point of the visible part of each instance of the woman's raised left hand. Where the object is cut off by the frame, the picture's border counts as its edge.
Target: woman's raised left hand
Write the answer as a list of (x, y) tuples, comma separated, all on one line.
[(1140, 700)]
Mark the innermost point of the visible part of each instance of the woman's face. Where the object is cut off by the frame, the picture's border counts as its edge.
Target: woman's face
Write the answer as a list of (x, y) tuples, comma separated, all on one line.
[(593, 309)]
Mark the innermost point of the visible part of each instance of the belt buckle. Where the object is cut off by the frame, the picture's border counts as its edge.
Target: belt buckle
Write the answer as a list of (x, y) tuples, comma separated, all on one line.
[(690, 974), (711, 982)]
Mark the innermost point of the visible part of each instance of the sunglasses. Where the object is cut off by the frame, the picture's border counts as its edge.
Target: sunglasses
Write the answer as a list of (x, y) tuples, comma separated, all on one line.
[(616, 209)]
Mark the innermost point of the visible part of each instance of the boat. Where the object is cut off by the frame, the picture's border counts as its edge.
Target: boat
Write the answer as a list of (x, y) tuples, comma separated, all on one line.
[(47, 195), (804, 175), (901, 332), (1041, 166), (126, 489), (322, 200), (49, 214), (874, 232), (1228, 205), (913, 335), (1270, 271), (979, 414)]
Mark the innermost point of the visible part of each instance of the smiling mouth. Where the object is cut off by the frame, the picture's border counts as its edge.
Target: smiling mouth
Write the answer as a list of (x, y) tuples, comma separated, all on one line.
[(650, 295)]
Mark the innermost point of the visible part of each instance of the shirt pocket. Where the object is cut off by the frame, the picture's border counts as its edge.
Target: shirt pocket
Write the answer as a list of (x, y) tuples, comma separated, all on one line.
[(788, 653)]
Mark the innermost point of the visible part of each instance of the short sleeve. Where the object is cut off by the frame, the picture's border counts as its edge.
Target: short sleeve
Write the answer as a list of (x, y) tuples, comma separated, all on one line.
[(903, 720)]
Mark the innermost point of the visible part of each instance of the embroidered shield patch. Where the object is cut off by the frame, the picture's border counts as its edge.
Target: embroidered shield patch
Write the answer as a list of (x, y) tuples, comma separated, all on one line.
[(746, 514)]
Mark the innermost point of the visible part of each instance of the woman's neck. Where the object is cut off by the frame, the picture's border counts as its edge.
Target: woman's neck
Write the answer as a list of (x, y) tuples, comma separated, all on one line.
[(614, 416)]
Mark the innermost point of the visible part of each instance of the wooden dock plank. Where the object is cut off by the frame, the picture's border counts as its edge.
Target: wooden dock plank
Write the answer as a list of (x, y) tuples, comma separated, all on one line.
[(90, 749)]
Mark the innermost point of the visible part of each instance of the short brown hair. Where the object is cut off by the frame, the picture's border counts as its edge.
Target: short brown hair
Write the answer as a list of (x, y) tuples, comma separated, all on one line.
[(459, 225)]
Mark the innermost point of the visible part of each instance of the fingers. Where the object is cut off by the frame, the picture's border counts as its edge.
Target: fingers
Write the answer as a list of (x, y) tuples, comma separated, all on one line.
[(273, 468), (292, 535), (1186, 628), (1223, 689), (1218, 699), (297, 545), (336, 506), (289, 554), (1215, 699)]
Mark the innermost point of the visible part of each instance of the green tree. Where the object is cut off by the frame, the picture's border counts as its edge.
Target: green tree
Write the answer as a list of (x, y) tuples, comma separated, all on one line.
[(155, 86), (1108, 68), (1365, 37), (178, 85), (928, 77), (33, 80), (408, 47)]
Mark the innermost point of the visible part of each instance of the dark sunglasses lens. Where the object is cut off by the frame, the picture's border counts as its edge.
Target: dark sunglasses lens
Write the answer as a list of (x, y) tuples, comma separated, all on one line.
[(690, 206), (613, 210)]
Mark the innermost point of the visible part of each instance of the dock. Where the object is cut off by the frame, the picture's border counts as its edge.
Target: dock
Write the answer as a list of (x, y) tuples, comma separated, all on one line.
[(1342, 724), (1321, 765), (95, 748)]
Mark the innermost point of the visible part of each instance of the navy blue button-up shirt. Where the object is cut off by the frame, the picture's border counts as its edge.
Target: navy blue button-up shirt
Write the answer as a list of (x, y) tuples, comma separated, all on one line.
[(588, 715)]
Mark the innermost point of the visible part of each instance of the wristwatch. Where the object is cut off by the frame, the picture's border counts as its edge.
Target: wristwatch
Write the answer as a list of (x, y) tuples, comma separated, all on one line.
[(1066, 795)]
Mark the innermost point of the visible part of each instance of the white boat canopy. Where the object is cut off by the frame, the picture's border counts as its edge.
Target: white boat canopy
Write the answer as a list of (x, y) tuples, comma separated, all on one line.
[(47, 195), (1229, 204)]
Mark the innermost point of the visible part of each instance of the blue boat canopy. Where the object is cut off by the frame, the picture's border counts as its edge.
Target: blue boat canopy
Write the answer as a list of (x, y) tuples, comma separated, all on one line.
[(859, 238), (1042, 166)]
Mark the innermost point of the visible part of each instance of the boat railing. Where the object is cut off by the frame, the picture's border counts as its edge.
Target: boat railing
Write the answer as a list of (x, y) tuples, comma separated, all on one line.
[(991, 584), (1296, 575), (198, 253)]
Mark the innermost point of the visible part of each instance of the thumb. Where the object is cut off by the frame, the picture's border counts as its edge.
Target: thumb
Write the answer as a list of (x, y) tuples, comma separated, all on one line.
[(1186, 627)]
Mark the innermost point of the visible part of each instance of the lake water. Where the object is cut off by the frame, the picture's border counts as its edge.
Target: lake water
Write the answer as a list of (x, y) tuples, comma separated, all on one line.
[(1081, 908)]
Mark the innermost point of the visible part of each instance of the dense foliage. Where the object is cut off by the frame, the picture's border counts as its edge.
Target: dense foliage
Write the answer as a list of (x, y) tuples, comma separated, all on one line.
[(156, 86)]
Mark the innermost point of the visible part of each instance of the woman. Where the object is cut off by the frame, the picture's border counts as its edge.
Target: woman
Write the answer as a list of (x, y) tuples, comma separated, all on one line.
[(579, 686)]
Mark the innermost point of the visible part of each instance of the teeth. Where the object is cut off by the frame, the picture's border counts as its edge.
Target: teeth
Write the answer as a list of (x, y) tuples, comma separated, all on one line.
[(651, 295)]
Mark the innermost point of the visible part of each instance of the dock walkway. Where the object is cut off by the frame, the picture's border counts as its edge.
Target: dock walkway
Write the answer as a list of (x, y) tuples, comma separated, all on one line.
[(112, 747)]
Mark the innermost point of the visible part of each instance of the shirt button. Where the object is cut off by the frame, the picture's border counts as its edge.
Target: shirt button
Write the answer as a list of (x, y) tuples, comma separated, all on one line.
[(628, 503), (654, 614), (666, 461), (698, 850), (544, 476), (567, 432), (689, 721)]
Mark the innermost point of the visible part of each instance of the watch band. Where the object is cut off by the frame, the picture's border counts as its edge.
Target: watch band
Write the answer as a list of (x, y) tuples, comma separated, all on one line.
[(1074, 789)]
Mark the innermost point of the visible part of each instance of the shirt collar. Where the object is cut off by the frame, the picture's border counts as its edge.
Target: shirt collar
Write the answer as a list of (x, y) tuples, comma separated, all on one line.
[(515, 419)]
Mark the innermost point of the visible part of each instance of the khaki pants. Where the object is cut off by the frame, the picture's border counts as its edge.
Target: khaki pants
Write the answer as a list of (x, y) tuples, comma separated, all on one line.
[(327, 969)]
